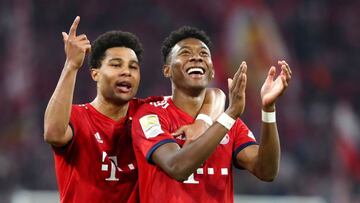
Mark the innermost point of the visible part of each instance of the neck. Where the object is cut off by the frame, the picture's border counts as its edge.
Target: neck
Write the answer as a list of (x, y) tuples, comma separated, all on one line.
[(189, 103), (111, 110)]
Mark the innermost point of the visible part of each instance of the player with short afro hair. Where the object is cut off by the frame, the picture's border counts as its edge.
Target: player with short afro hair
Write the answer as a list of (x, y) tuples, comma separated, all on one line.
[(113, 39), (183, 33)]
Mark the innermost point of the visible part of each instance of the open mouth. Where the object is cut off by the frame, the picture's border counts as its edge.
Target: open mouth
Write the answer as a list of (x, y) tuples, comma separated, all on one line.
[(124, 86), (195, 71)]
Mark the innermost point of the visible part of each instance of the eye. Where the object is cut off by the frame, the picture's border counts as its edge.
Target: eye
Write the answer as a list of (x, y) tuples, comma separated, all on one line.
[(204, 54), (134, 67), (185, 52), (115, 65)]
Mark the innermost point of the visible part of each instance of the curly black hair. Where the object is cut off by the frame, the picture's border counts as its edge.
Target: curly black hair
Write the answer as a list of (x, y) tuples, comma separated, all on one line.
[(112, 39), (183, 33)]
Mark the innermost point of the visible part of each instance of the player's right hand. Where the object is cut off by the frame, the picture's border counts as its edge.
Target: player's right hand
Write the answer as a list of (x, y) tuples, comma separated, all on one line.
[(76, 46), (237, 87)]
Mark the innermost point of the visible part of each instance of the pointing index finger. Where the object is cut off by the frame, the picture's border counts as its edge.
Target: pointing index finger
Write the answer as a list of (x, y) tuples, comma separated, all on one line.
[(73, 28)]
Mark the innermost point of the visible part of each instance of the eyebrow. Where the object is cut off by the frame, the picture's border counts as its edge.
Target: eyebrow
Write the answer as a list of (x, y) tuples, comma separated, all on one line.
[(188, 47), (115, 59), (120, 60)]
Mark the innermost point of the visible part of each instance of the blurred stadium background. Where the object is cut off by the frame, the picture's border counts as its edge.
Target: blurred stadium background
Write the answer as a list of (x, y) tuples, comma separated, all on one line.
[(318, 117)]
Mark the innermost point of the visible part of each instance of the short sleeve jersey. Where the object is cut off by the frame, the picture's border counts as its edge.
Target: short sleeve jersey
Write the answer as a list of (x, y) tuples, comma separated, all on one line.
[(212, 182), (98, 164)]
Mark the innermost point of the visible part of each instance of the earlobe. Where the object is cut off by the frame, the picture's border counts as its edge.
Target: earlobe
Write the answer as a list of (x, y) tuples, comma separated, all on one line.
[(94, 74), (166, 71)]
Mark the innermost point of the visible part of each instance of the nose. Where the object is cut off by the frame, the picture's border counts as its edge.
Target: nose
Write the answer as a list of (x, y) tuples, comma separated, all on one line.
[(196, 58), (125, 71)]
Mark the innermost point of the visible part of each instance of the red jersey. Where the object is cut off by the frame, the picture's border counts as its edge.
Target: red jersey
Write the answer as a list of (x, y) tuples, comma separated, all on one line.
[(212, 182), (98, 164)]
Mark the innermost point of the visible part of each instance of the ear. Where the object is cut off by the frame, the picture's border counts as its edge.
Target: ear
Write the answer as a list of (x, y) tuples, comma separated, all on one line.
[(94, 72), (212, 74), (166, 71)]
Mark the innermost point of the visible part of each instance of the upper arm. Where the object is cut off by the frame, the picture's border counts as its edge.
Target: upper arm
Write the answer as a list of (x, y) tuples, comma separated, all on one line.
[(247, 157), (149, 131), (163, 156), (246, 148), (59, 140)]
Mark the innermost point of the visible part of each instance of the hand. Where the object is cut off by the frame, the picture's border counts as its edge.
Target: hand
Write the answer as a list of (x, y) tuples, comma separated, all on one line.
[(75, 46), (272, 89), (237, 87), (214, 103), (192, 131)]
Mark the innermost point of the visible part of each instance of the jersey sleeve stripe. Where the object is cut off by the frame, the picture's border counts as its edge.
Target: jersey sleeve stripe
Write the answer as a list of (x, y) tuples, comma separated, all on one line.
[(153, 148), (237, 150)]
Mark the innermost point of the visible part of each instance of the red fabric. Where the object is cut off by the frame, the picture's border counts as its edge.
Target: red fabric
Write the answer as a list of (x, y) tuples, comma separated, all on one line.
[(156, 186), (85, 168)]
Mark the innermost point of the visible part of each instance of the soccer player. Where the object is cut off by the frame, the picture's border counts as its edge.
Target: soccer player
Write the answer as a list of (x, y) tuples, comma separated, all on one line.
[(94, 158), (201, 171)]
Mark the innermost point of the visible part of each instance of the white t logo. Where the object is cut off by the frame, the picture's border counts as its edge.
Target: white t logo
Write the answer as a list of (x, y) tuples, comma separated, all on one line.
[(105, 167)]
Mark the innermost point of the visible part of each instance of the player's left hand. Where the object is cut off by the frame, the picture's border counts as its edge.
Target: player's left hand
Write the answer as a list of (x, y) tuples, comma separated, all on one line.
[(192, 131), (273, 87)]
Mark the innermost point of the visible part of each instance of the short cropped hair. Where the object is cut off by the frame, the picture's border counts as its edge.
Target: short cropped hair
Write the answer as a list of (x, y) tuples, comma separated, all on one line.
[(183, 33), (112, 39)]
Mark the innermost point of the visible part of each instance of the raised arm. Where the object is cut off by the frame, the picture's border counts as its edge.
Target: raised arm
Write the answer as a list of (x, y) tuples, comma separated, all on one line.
[(264, 160), (213, 106), (178, 162), (56, 120)]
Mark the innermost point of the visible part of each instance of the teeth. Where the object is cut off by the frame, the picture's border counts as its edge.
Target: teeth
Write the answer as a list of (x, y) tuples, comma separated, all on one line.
[(124, 84), (192, 70)]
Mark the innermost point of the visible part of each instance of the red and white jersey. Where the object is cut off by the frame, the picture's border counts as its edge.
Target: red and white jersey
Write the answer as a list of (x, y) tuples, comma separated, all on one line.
[(98, 164), (212, 182)]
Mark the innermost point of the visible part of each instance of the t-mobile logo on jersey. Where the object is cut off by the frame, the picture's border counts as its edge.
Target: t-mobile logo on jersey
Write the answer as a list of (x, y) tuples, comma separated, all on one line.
[(209, 171), (114, 167)]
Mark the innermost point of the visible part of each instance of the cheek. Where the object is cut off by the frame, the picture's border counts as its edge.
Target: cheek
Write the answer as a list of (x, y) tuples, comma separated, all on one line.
[(178, 63), (136, 77), (104, 81), (210, 65)]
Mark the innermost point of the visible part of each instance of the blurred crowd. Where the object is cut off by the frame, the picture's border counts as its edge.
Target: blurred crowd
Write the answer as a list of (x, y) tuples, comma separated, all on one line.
[(318, 116)]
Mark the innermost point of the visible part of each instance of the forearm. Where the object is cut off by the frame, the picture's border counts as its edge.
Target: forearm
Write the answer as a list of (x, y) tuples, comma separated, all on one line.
[(214, 103), (183, 161), (268, 161), (58, 110)]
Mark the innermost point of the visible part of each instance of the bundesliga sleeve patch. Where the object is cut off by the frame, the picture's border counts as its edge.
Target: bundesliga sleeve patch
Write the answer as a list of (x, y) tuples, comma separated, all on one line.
[(150, 125)]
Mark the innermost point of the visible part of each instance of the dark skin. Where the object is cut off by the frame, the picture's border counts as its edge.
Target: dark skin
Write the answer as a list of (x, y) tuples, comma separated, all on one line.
[(188, 95)]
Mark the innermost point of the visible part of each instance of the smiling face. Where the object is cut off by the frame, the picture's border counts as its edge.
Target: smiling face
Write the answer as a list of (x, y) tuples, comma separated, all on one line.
[(118, 76), (189, 65)]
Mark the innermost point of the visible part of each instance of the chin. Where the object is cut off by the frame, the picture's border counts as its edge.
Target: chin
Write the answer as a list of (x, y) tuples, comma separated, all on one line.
[(122, 99), (199, 86)]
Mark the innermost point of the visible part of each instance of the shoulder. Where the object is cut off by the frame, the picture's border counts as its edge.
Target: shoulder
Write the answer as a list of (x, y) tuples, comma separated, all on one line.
[(238, 126), (79, 109), (240, 129), (153, 107), (139, 101), (136, 103)]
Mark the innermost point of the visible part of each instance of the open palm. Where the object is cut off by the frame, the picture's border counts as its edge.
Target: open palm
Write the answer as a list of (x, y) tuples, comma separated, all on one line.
[(273, 86)]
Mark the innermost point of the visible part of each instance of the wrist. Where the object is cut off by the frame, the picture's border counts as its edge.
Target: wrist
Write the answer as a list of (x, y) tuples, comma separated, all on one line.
[(269, 108), (226, 121), (71, 65), (207, 119), (268, 117), (232, 113)]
